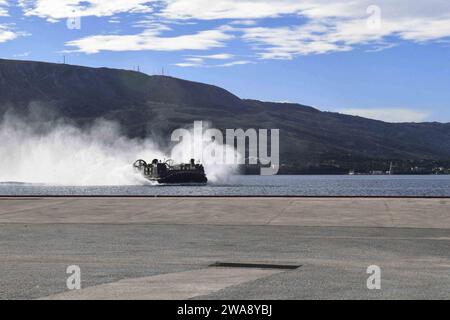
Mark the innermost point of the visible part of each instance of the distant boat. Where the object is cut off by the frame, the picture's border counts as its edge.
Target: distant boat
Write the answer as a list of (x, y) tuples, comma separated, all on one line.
[(169, 173), (391, 169)]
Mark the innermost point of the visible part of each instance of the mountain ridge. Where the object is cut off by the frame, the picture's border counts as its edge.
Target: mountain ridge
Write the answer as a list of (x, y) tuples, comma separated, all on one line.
[(156, 105)]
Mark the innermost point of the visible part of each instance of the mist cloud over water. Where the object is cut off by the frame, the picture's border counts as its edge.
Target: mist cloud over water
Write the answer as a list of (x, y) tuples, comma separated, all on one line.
[(60, 153)]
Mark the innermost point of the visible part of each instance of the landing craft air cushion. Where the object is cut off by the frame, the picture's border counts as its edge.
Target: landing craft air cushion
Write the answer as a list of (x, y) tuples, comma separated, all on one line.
[(169, 173)]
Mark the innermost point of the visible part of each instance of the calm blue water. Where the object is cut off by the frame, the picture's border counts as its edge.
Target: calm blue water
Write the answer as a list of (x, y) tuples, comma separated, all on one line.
[(265, 186)]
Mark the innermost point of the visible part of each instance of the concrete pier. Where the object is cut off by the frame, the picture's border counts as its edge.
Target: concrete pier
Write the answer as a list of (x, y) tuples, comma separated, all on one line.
[(166, 248)]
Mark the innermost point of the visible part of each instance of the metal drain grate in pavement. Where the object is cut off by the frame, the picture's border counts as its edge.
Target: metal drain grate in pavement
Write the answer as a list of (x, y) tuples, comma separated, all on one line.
[(255, 265)]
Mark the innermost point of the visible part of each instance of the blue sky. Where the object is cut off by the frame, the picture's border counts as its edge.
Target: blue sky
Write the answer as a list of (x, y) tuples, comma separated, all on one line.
[(386, 59)]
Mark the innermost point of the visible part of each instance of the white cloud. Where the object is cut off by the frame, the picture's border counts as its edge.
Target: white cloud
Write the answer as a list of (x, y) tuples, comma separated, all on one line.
[(188, 64), (334, 26), (218, 56), (6, 34), (151, 40), (230, 9), (60, 9), (3, 10), (235, 63), (324, 26), (196, 60), (246, 22), (388, 114), (201, 61), (205, 61), (288, 42), (327, 25), (22, 55), (8, 31)]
